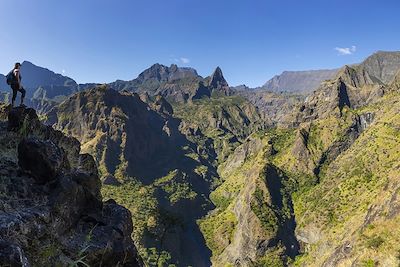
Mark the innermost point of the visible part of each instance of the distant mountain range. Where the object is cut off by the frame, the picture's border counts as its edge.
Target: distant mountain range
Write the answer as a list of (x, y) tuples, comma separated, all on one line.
[(44, 83), (298, 81), (46, 88), (175, 83), (182, 83)]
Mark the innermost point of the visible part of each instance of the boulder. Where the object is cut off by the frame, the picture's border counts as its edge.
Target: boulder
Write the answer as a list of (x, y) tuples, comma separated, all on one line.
[(87, 164), (42, 159), (12, 255), (91, 185), (68, 203), (21, 118), (110, 242)]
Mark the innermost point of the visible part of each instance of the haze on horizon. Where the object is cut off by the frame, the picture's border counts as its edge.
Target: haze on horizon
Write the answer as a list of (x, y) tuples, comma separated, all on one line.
[(101, 41)]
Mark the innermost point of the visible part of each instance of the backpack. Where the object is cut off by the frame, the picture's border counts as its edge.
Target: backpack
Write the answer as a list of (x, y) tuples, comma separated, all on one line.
[(10, 77)]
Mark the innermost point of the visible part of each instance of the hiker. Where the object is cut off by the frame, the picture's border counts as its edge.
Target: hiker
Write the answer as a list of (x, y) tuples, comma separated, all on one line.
[(14, 80)]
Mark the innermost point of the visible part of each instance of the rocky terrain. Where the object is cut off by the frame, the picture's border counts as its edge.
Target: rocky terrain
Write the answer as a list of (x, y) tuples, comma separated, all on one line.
[(175, 84), (51, 209), (140, 141), (274, 106), (222, 176)]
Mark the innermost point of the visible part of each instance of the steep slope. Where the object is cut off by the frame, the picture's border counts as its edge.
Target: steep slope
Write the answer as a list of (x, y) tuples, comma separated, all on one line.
[(275, 106), (349, 217), (226, 121), (160, 161), (51, 208), (337, 180), (120, 131), (338, 161), (382, 65), (148, 165), (353, 87), (175, 84), (336, 174), (253, 224), (298, 81)]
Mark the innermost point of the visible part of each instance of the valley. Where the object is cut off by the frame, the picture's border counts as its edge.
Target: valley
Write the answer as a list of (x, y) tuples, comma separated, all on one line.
[(302, 171)]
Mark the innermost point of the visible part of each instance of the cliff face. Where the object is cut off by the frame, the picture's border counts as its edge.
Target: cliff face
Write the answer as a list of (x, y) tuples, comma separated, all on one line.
[(140, 145), (120, 131), (169, 155), (51, 208), (353, 87), (226, 121), (275, 106), (347, 217), (298, 81), (382, 65)]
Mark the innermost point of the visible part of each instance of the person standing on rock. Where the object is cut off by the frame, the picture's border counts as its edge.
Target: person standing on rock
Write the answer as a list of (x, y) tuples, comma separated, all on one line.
[(14, 80)]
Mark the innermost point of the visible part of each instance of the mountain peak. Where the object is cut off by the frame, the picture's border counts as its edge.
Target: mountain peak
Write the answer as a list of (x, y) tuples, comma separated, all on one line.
[(382, 65), (218, 85), (217, 78), (26, 62), (162, 73)]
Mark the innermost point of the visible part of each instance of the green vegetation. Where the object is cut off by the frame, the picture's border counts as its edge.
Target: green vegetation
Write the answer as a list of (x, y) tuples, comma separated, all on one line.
[(218, 230), (273, 258), (139, 200), (354, 185), (225, 120), (281, 139), (176, 186), (264, 211), (155, 258), (368, 263), (375, 242), (146, 218)]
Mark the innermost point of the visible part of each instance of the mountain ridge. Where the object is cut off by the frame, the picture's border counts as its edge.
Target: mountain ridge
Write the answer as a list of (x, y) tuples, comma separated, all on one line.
[(298, 81)]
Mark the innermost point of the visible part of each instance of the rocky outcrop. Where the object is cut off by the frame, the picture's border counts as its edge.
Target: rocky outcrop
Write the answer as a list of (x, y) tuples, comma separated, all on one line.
[(265, 220), (163, 73), (333, 96), (382, 65), (162, 106), (249, 148), (395, 84), (51, 201), (42, 159), (277, 107), (218, 85)]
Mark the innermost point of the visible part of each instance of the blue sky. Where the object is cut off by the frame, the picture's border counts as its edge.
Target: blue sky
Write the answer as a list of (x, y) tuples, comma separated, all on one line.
[(251, 40)]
